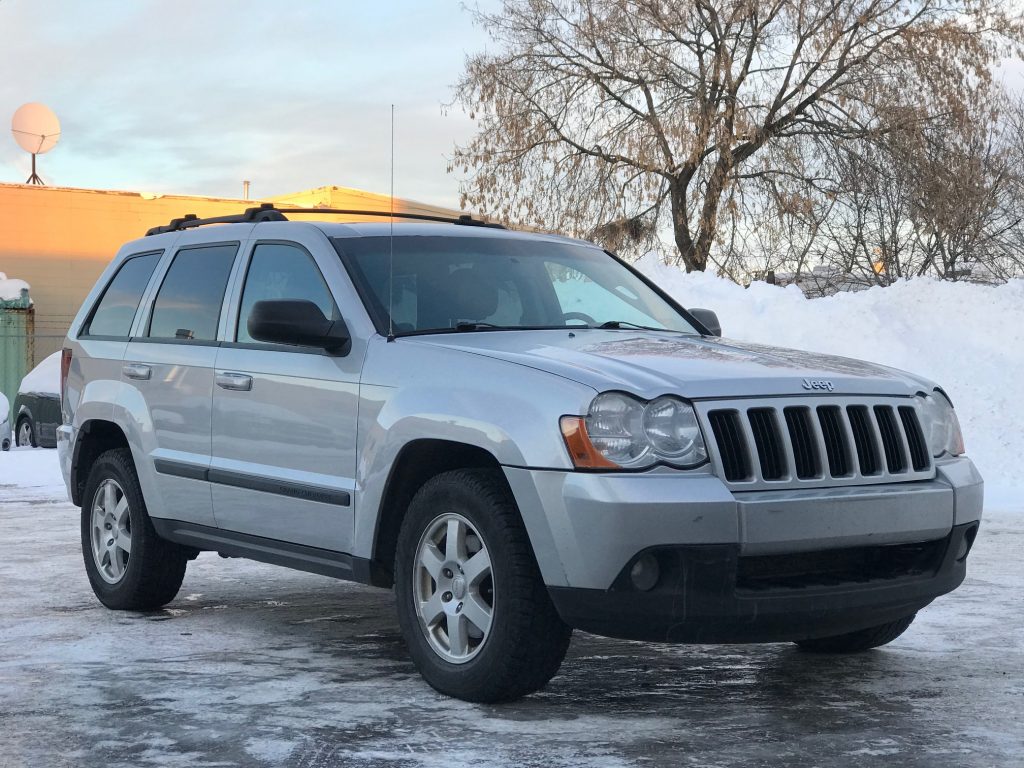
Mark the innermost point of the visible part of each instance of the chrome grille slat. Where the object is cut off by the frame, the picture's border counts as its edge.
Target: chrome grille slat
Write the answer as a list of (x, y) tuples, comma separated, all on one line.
[(748, 437), (803, 454), (735, 464), (833, 431), (917, 449), (853, 469), (768, 442), (893, 442), (804, 442)]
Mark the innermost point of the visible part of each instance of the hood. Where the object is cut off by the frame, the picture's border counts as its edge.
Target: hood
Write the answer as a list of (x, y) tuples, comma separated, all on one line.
[(652, 363)]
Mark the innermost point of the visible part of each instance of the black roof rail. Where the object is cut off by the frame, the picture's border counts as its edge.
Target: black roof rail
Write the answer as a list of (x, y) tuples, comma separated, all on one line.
[(268, 212)]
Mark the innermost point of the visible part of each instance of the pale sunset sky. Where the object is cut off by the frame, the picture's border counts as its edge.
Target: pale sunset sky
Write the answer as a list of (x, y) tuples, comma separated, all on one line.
[(192, 97)]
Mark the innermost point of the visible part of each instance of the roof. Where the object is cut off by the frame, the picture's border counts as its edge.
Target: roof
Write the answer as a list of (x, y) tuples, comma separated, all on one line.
[(416, 229)]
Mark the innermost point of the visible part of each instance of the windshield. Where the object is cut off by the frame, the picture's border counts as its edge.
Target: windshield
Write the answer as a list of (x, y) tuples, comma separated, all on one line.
[(489, 283)]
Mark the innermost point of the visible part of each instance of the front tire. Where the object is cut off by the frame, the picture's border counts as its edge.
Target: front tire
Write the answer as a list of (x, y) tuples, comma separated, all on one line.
[(473, 609), (130, 568), (25, 434), (861, 640)]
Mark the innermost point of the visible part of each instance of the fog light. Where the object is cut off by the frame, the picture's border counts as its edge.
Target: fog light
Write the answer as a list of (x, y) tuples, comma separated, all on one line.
[(645, 572)]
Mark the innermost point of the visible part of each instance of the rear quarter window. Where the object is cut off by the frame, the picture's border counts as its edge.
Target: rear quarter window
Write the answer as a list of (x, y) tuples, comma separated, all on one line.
[(116, 309)]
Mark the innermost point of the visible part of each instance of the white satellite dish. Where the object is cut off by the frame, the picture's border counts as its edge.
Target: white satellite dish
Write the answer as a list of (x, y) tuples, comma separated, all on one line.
[(37, 130)]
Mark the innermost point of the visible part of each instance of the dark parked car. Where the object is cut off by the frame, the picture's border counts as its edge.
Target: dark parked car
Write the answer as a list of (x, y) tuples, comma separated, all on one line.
[(36, 411)]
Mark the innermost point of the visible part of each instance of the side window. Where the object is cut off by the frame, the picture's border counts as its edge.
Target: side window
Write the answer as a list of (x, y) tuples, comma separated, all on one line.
[(115, 311), (188, 303), (281, 271)]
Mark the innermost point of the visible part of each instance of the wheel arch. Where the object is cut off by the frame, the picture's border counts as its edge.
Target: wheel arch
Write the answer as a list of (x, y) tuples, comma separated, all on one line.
[(417, 462), (95, 437)]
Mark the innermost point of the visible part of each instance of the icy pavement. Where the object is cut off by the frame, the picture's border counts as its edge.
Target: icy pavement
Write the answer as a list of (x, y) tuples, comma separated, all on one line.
[(254, 665)]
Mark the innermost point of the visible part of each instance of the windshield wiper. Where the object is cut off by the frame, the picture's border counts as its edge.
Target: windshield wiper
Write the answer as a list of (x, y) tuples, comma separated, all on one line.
[(483, 326), (612, 324)]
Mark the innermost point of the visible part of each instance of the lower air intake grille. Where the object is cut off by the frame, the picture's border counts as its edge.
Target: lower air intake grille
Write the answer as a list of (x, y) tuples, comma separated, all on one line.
[(835, 567)]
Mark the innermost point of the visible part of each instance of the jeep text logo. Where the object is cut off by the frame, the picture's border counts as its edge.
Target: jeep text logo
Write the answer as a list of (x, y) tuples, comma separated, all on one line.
[(818, 384)]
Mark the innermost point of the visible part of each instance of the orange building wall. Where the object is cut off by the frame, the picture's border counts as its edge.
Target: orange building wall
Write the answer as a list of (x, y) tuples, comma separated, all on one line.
[(60, 239)]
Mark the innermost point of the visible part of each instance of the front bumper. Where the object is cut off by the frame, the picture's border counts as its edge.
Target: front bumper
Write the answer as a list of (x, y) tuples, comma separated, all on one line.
[(712, 594), (587, 529), (65, 449)]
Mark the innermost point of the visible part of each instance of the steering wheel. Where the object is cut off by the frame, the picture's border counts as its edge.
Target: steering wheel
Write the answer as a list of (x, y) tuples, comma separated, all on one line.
[(579, 316)]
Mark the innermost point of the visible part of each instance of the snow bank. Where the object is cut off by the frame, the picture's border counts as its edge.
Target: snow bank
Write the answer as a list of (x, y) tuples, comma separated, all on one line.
[(44, 378), (969, 338), (31, 469)]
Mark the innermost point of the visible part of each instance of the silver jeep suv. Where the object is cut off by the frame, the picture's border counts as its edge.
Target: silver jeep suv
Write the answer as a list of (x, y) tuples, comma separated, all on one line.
[(518, 432)]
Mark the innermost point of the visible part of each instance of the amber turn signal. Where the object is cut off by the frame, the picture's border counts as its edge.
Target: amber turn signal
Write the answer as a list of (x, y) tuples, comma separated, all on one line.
[(582, 452)]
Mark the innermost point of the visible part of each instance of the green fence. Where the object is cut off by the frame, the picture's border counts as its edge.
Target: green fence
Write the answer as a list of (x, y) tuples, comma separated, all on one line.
[(17, 340)]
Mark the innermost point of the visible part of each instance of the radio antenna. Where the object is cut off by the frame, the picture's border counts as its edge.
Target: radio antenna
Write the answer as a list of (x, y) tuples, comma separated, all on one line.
[(391, 238)]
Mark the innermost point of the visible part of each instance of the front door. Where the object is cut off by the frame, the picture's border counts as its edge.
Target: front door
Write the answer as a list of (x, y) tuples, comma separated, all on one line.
[(284, 417)]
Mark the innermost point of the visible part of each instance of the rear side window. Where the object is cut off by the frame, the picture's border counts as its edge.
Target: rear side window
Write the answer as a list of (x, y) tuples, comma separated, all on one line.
[(187, 306), (281, 271), (114, 314)]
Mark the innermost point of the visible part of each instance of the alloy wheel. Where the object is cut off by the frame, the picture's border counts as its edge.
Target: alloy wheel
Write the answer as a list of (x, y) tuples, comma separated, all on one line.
[(111, 531), (453, 588)]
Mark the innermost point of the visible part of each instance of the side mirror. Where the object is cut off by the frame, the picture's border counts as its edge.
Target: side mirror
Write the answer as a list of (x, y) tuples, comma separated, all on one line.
[(708, 319), (300, 322)]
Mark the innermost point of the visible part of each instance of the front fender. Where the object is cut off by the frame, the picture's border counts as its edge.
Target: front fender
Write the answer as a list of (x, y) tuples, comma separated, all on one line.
[(414, 392)]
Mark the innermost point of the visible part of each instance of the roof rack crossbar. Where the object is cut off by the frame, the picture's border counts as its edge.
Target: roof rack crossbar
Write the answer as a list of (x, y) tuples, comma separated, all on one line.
[(265, 212), (268, 212)]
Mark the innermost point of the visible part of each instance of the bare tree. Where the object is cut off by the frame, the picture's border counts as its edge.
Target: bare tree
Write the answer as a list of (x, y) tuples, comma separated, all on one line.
[(626, 118)]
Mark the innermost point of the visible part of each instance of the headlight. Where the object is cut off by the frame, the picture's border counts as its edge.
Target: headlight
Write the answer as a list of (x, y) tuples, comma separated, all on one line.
[(941, 426), (672, 430), (615, 428), (625, 432)]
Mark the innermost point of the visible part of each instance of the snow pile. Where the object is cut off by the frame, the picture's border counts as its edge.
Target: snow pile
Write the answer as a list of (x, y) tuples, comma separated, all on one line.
[(33, 470), (968, 338), (11, 288), (44, 378)]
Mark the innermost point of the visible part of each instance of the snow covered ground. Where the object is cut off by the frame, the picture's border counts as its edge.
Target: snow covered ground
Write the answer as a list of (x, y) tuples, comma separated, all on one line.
[(254, 665), (968, 338)]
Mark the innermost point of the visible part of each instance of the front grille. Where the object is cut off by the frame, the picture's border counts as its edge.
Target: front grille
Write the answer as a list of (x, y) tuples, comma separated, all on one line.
[(804, 441), (835, 567)]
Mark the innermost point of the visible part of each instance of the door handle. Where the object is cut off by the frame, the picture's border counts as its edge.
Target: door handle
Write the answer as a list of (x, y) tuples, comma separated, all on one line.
[(137, 371), (235, 381)]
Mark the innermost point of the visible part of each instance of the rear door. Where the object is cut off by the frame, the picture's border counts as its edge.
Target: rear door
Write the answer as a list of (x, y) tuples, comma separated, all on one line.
[(284, 417), (168, 370)]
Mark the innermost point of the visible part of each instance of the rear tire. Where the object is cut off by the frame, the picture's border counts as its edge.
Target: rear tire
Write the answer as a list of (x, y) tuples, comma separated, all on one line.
[(523, 640), (861, 640), (25, 434), (130, 568)]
